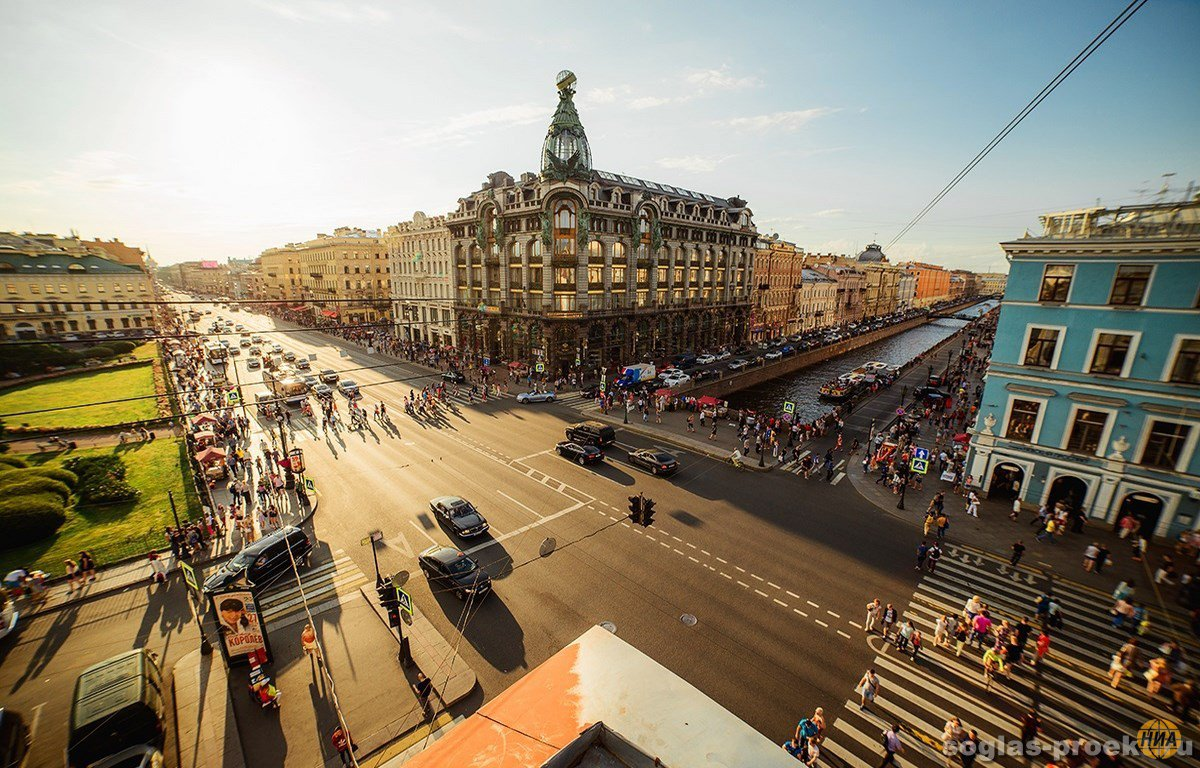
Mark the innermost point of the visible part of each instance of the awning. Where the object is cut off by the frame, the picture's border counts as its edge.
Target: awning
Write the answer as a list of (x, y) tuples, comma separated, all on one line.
[(204, 418), (209, 455), (300, 308), (708, 400), (329, 312), (663, 392)]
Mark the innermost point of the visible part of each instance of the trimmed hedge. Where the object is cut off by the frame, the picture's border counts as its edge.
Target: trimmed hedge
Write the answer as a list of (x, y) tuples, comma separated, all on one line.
[(12, 461), (36, 485), (10, 476), (26, 519), (121, 347), (101, 479)]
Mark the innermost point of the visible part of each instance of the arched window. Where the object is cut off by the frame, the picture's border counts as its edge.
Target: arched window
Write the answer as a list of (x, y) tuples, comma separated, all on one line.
[(564, 229)]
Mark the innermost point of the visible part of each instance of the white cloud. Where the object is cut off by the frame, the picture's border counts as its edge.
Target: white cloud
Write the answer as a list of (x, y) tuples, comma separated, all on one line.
[(784, 121), (693, 163), (829, 212), (721, 80), (649, 102), (322, 11)]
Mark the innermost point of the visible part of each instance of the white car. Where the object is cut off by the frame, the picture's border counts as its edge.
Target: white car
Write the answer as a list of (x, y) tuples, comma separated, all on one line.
[(535, 397), (724, 354), (774, 354), (668, 373), (678, 380), (706, 359), (739, 364)]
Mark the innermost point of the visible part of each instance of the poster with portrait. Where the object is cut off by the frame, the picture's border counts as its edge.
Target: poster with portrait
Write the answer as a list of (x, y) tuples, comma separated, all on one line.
[(239, 625)]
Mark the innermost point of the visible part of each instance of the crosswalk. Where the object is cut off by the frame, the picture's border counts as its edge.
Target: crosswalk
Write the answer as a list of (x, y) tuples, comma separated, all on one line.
[(1070, 689), (324, 586), (796, 467)]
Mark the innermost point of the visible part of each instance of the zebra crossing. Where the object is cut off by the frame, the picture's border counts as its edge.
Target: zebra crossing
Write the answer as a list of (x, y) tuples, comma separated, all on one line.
[(1069, 690), (324, 586)]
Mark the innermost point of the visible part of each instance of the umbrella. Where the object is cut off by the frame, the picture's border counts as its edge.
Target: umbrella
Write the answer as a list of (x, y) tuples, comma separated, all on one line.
[(204, 418), (962, 438), (708, 400), (210, 454), (663, 392)]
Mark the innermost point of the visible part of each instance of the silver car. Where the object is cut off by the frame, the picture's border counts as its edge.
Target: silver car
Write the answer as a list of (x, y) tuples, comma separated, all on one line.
[(535, 397)]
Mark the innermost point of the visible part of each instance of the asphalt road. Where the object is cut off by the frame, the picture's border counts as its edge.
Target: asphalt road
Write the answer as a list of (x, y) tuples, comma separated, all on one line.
[(39, 665), (775, 570)]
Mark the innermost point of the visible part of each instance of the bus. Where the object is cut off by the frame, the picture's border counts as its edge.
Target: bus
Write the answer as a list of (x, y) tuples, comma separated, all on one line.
[(216, 353), (284, 384)]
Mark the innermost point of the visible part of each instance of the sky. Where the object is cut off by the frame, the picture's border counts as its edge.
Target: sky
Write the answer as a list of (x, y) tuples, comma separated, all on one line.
[(218, 129)]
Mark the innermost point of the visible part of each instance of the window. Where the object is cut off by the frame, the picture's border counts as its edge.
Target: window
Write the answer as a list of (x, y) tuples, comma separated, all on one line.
[(1087, 431), (1129, 286), (1042, 344), (564, 229), (1056, 282), (1164, 446), (595, 275), (618, 275), (1022, 420), (1186, 368), (1110, 354), (564, 278)]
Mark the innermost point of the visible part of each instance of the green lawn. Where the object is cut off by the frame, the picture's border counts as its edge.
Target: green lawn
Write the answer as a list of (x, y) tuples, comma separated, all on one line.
[(80, 388), (146, 351), (111, 532)]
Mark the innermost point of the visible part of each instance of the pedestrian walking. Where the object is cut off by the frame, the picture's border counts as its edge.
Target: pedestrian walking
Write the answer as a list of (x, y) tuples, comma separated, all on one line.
[(1018, 551), (922, 553), (868, 687), (72, 571), (344, 745), (874, 609), (308, 643), (87, 568), (888, 620), (972, 504), (891, 745), (932, 558)]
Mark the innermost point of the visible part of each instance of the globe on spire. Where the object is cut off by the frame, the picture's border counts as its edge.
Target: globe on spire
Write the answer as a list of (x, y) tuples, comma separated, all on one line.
[(565, 152)]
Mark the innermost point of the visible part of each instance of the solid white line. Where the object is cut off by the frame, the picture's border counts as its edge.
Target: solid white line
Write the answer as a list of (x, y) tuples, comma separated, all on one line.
[(524, 528), (421, 531), (526, 506)]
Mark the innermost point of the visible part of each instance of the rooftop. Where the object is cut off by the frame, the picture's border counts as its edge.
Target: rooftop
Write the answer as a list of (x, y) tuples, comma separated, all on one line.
[(1155, 220)]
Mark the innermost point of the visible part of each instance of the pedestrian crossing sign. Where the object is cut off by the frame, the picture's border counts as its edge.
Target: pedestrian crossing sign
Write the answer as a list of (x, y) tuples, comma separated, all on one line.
[(309, 485), (789, 406), (540, 367), (233, 397), (405, 600), (920, 466)]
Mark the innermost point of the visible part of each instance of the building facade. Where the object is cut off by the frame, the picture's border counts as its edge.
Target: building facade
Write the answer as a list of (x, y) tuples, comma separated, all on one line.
[(906, 291), (851, 290), (345, 276), (48, 292), (931, 283), (816, 302), (422, 291), (1093, 392), (206, 278), (778, 268), (991, 283), (576, 267)]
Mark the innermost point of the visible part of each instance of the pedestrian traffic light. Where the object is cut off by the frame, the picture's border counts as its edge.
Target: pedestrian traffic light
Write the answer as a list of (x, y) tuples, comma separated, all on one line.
[(635, 508), (647, 512)]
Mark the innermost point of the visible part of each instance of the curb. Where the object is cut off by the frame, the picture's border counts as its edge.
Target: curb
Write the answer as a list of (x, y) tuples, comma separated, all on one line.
[(666, 437)]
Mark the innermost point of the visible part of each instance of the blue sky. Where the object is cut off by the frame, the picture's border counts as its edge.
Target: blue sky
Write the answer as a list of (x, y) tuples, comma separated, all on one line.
[(222, 128)]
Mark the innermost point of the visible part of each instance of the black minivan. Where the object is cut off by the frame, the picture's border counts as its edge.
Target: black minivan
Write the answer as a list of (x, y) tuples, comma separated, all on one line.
[(592, 433), (264, 561), (117, 713)]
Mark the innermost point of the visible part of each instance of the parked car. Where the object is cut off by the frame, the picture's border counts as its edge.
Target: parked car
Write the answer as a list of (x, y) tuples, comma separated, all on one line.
[(774, 354), (459, 515), (678, 380), (349, 388), (739, 364), (535, 397), (329, 376), (15, 738), (578, 452), (724, 354), (118, 713), (669, 372), (263, 562), (654, 462), (454, 570), (706, 359)]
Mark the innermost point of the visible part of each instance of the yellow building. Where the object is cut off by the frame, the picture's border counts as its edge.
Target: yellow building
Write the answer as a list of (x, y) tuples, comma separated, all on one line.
[(345, 276), (49, 292)]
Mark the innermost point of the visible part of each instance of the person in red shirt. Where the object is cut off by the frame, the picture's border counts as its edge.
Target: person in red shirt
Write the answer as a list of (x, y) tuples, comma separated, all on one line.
[(1043, 645)]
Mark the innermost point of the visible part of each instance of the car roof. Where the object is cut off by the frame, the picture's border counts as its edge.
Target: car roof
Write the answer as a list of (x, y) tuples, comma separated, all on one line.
[(448, 500), (443, 554)]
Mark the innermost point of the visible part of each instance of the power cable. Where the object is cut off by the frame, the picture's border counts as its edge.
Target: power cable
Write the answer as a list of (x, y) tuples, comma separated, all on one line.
[(1042, 95)]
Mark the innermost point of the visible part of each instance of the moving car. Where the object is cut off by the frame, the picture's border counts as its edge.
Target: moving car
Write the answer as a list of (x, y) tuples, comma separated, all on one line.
[(594, 433), (290, 356), (118, 713), (706, 359), (244, 342), (454, 570), (774, 354), (454, 377), (254, 364), (276, 348), (312, 382), (302, 364), (263, 562), (724, 354), (348, 387), (329, 376), (653, 461), (15, 738), (584, 454), (676, 380), (462, 518), (739, 364), (535, 397), (322, 390), (667, 373)]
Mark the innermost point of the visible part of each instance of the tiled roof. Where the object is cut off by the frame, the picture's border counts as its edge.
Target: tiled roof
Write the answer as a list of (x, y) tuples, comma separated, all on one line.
[(57, 262)]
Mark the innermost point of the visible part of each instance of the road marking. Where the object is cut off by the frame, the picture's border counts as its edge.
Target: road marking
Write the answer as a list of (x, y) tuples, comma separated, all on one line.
[(840, 477), (664, 544), (676, 538), (648, 536), (524, 528), (676, 551), (705, 551), (823, 624), (773, 584), (721, 560), (744, 584), (810, 602), (776, 599), (694, 560), (421, 531), (625, 524), (693, 546), (843, 634), (726, 575), (793, 594), (740, 568), (856, 625), (526, 506), (764, 594), (802, 613), (530, 456), (831, 613), (756, 576)]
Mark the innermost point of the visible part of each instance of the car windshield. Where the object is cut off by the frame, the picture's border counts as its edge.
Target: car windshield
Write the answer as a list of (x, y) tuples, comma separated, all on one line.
[(244, 558), (461, 566), (348, 383), (461, 508)]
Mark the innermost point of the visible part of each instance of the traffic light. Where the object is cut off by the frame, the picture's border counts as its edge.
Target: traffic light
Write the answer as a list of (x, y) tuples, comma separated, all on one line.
[(635, 508), (393, 613), (389, 601), (647, 512)]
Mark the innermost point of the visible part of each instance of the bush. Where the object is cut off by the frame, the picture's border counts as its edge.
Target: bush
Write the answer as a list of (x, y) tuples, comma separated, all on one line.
[(121, 347), (98, 352), (101, 479), (10, 476), (35, 358), (34, 485), (26, 519), (12, 461)]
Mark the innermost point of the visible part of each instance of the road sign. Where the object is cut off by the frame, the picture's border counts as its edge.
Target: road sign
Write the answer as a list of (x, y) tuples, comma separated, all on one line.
[(312, 357), (189, 576), (540, 367), (921, 453), (405, 600), (487, 361), (899, 411), (233, 397), (372, 536), (920, 466), (789, 406), (309, 485)]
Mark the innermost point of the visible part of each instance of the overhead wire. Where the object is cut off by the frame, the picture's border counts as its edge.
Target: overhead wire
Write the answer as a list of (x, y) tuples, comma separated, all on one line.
[(1033, 103)]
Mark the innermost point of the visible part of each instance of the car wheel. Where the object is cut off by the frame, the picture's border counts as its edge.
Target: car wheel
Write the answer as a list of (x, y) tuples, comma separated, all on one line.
[(549, 399), (581, 461)]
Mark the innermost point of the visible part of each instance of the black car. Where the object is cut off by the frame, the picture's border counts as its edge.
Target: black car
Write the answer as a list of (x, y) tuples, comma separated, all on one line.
[(654, 462), (451, 569), (594, 433), (264, 561), (584, 454), (454, 377), (329, 376), (462, 518)]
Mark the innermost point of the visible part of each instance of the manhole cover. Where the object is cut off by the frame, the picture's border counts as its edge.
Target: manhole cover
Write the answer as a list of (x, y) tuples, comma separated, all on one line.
[(548, 545), (609, 626), (688, 619)]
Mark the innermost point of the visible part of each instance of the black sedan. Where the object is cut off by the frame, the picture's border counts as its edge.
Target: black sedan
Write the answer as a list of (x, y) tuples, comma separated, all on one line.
[(459, 515), (584, 454), (654, 462), (451, 569), (454, 377)]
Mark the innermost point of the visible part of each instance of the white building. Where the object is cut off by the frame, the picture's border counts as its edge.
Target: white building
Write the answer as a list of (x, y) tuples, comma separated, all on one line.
[(422, 295)]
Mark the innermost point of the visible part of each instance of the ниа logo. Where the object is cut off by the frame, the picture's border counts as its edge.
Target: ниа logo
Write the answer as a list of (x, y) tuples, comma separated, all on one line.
[(1159, 739)]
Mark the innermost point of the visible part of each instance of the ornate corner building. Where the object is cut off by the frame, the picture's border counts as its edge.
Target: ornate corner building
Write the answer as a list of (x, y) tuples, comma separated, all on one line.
[(575, 267)]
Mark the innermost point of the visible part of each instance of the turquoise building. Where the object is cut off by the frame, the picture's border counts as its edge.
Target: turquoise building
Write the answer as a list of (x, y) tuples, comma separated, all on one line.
[(1093, 390)]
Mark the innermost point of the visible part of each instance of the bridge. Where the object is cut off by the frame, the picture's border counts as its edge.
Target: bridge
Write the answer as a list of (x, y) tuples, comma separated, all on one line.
[(959, 311)]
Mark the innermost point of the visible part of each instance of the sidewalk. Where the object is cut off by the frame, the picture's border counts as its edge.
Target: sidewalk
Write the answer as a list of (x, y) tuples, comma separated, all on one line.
[(206, 732)]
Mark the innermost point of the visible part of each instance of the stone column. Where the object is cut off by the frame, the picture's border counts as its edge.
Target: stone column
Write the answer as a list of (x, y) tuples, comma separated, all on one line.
[(606, 245), (547, 276)]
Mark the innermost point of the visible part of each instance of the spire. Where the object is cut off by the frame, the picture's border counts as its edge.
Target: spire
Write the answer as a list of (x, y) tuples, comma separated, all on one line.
[(565, 152)]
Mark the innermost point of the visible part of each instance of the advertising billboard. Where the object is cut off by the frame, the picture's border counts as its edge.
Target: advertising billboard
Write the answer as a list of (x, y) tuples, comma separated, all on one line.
[(239, 625)]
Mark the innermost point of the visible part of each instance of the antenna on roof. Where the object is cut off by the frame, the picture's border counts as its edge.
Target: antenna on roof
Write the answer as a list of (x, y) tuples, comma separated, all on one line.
[(1166, 187)]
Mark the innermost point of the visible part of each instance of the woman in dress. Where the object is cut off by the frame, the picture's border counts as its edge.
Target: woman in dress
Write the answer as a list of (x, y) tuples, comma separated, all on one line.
[(72, 571)]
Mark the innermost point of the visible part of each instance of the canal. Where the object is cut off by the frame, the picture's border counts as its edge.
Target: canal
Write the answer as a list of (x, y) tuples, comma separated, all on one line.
[(801, 387)]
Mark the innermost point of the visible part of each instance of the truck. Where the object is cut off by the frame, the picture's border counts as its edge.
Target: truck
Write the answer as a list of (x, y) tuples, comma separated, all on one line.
[(216, 352), (285, 385), (636, 374)]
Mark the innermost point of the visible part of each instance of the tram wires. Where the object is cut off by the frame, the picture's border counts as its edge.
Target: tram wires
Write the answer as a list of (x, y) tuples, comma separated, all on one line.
[(1057, 80)]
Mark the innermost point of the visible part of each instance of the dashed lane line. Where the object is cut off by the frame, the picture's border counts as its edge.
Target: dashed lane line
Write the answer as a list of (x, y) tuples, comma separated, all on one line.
[(802, 613), (823, 624), (810, 602), (843, 634), (764, 594), (777, 600), (834, 615), (744, 584)]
